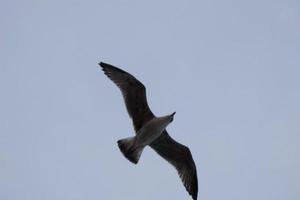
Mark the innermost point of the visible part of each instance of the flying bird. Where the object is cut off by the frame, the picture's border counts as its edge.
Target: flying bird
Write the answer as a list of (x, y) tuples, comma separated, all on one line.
[(151, 130)]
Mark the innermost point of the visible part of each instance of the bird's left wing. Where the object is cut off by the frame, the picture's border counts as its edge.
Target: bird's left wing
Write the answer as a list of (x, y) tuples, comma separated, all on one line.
[(134, 94), (181, 158)]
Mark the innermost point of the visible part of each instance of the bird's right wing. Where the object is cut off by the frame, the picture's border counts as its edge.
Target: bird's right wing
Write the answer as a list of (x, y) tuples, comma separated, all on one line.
[(134, 94), (181, 158)]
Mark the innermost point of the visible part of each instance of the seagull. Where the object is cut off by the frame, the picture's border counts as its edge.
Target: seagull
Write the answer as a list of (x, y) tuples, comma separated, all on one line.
[(151, 130)]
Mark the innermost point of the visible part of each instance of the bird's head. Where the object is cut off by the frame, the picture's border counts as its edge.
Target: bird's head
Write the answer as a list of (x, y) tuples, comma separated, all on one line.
[(172, 116)]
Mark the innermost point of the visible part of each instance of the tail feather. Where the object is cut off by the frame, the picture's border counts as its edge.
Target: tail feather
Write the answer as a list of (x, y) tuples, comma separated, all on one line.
[(129, 150)]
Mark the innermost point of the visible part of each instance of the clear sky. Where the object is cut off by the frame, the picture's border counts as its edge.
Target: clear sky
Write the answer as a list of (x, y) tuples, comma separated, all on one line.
[(230, 69)]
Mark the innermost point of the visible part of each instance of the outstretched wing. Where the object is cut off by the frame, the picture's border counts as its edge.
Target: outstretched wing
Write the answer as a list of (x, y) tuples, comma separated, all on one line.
[(181, 158), (134, 94)]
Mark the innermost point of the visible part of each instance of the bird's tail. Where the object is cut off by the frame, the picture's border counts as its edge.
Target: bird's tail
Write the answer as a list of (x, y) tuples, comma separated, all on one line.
[(129, 149)]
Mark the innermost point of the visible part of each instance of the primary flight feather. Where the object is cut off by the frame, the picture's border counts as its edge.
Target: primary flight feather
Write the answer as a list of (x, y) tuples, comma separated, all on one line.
[(151, 130)]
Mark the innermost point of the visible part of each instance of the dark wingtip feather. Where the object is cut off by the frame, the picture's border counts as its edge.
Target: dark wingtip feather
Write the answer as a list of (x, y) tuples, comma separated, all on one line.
[(108, 68), (105, 68), (102, 64), (194, 195), (193, 189)]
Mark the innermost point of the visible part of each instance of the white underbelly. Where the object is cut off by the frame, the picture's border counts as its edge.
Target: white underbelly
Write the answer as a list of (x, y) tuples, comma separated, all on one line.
[(149, 132)]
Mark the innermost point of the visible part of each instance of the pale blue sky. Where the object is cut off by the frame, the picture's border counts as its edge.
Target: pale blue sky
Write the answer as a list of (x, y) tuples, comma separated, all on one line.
[(229, 68)]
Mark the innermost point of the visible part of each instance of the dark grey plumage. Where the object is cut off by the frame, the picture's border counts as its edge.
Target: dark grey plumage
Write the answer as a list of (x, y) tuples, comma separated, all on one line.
[(178, 155)]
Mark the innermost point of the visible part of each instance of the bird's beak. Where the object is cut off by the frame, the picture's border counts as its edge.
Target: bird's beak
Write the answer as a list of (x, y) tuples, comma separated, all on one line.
[(173, 114)]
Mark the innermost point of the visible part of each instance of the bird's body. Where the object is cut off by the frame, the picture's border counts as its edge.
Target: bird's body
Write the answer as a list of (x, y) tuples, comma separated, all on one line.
[(151, 130), (132, 147)]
